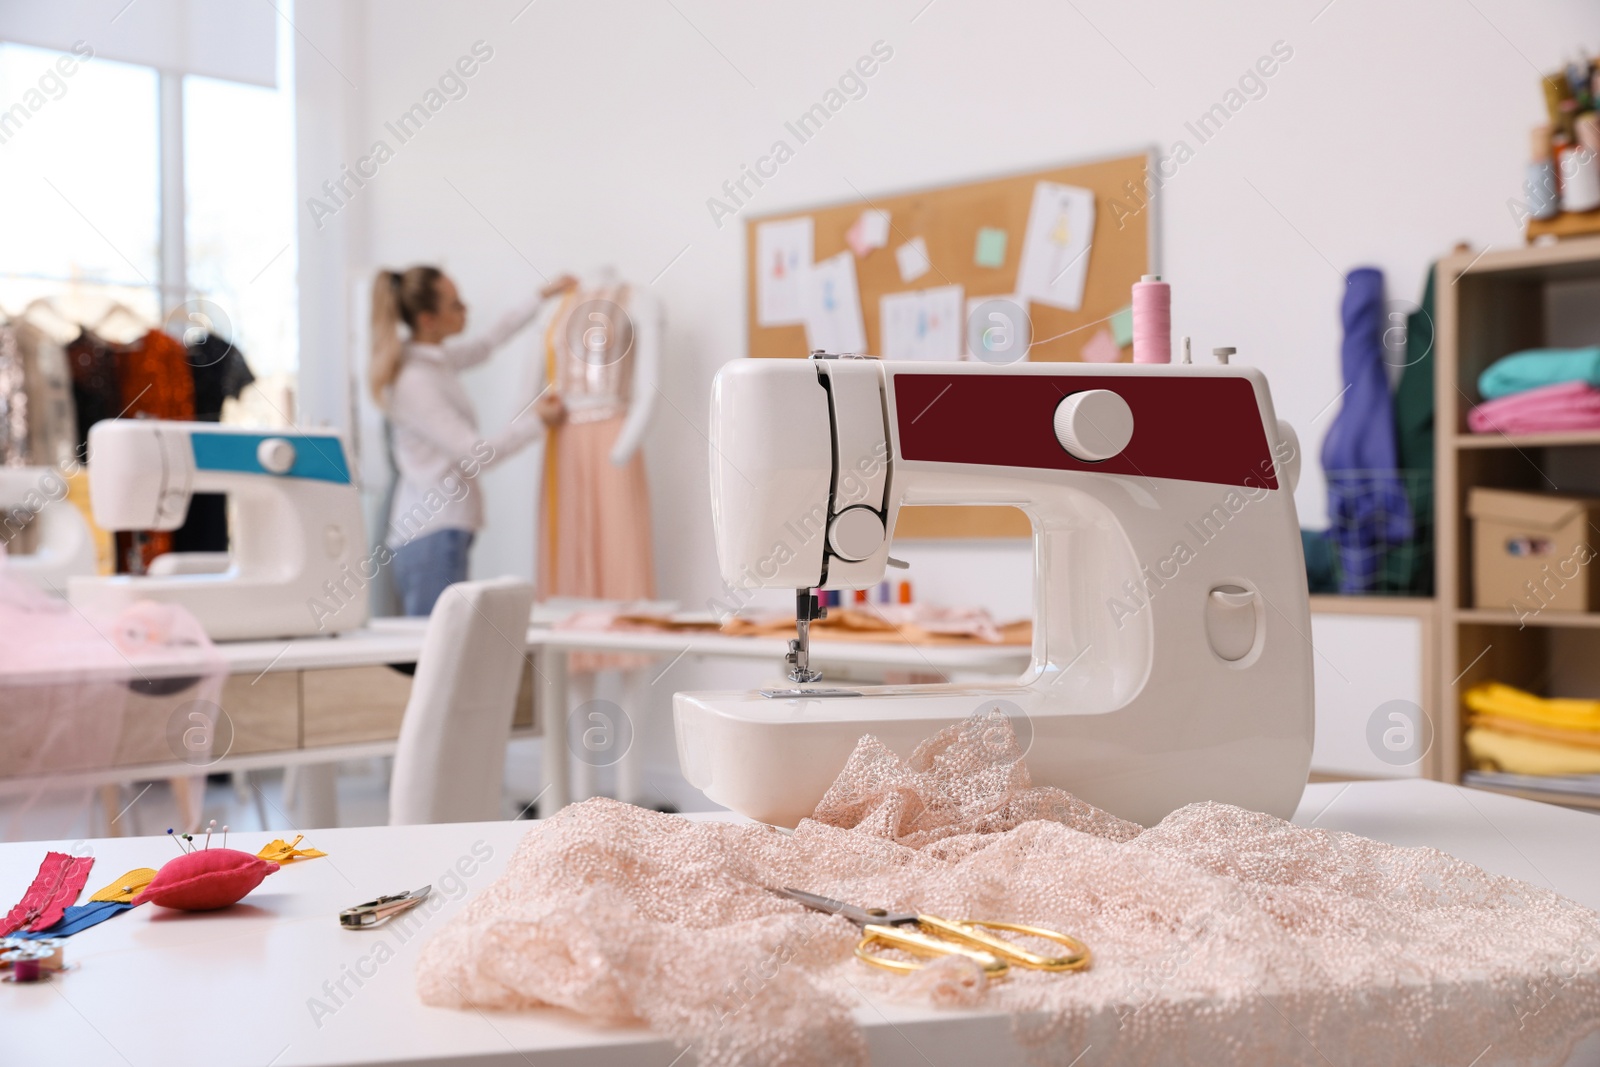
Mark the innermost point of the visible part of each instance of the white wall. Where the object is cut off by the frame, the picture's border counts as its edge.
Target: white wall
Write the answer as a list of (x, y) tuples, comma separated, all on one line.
[(598, 131)]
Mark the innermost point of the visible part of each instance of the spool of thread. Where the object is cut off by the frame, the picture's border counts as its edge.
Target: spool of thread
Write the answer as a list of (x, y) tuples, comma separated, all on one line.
[(1152, 320), (905, 592), (1539, 185), (1544, 202), (1580, 178), (1539, 143), (26, 971)]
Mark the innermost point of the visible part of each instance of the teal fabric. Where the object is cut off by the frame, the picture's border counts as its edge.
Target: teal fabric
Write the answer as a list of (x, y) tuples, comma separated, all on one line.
[(1521, 371)]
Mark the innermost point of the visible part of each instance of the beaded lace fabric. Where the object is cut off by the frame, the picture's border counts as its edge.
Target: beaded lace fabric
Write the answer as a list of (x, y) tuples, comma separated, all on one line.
[(1219, 935)]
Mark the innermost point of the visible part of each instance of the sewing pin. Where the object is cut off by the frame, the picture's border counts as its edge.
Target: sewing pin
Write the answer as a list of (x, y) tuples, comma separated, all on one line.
[(210, 826), (175, 839), (224, 835)]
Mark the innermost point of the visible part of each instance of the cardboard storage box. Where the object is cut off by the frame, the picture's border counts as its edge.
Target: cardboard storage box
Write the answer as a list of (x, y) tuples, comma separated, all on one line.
[(1534, 552)]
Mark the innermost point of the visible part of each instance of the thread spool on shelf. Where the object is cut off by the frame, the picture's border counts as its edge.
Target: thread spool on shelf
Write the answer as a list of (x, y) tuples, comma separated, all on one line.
[(1152, 320)]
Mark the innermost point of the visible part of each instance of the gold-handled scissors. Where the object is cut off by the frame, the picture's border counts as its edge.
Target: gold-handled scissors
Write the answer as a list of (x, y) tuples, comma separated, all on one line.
[(929, 935)]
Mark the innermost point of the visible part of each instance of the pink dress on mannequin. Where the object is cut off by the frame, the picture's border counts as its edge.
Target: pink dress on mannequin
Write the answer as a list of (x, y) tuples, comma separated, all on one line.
[(594, 516)]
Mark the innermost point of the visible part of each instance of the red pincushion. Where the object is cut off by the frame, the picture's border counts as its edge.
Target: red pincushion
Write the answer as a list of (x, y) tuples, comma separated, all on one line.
[(205, 879)]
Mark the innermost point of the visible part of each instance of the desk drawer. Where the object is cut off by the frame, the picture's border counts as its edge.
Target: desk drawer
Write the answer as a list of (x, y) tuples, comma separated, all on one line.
[(264, 710), (346, 705)]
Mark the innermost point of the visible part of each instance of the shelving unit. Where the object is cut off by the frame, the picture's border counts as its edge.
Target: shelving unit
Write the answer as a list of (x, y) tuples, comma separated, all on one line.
[(1490, 305)]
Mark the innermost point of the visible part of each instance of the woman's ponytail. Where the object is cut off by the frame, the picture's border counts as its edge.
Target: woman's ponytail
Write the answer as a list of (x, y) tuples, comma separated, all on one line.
[(397, 298), (385, 366)]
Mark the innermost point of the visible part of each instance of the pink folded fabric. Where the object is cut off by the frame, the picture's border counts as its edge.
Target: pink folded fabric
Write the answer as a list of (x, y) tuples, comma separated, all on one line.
[(1564, 406)]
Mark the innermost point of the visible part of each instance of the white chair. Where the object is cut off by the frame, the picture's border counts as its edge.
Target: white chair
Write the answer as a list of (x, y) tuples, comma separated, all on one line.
[(450, 760)]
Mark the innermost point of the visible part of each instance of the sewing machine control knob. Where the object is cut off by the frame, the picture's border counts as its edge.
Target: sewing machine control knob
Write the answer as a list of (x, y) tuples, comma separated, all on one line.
[(855, 533), (1094, 425), (275, 455)]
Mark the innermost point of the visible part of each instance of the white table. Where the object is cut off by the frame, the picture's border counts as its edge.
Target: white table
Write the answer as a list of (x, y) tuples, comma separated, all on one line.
[(399, 640), (234, 987)]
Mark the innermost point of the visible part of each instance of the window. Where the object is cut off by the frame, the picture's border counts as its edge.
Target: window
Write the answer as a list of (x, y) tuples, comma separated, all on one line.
[(82, 159), (82, 166), (240, 218)]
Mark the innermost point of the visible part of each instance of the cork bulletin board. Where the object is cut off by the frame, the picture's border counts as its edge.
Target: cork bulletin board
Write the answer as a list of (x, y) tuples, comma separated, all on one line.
[(949, 220)]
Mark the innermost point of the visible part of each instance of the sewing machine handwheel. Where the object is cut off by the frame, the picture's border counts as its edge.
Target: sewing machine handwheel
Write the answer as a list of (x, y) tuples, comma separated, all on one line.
[(1093, 425)]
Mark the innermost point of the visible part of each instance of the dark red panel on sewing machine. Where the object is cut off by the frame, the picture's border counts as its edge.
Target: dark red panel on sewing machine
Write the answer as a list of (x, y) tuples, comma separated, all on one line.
[(1198, 429)]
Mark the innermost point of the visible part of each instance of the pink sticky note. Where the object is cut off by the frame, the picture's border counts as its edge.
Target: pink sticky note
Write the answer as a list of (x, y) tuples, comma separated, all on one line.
[(1101, 348), (869, 231)]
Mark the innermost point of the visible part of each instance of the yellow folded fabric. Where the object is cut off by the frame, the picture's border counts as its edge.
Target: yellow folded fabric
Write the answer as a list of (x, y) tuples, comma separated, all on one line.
[(124, 889), (1493, 698), (1500, 724), (1529, 755), (280, 852)]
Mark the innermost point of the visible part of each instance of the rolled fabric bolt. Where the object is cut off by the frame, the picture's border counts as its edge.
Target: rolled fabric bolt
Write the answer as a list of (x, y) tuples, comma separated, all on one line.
[(1544, 197), (1152, 320)]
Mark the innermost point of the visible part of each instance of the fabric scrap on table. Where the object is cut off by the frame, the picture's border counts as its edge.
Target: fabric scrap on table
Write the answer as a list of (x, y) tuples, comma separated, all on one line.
[(281, 852), (57, 884), (79, 918), (1219, 935), (124, 889)]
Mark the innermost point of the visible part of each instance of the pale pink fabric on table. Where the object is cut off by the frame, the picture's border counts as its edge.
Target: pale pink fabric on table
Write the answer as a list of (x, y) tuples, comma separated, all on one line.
[(1548, 409), (1220, 936)]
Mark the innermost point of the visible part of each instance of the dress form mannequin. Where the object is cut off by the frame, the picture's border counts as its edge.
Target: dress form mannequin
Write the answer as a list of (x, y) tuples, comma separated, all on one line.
[(600, 351)]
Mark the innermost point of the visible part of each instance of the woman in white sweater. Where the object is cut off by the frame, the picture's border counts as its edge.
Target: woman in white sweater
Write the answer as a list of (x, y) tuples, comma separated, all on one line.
[(438, 450)]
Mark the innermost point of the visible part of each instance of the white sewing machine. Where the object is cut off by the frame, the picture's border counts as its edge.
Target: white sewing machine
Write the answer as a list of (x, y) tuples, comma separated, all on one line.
[(295, 529), (63, 545), (1171, 654)]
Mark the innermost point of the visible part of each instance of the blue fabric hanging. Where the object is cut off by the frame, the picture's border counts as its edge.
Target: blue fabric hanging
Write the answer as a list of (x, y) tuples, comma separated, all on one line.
[(1367, 507)]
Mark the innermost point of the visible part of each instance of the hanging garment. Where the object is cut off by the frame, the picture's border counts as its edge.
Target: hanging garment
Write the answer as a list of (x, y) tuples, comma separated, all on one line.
[(52, 422), (154, 376), (219, 371), (1408, 568), (1367, 506), (13, 401), (594, 519), (96, 393)]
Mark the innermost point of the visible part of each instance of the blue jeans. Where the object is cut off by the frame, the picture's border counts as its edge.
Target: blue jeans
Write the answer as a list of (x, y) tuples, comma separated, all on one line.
[(424, 566)]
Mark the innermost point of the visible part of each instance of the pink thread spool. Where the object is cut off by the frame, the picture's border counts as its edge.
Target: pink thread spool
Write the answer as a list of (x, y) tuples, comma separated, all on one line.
[(1152, 320)]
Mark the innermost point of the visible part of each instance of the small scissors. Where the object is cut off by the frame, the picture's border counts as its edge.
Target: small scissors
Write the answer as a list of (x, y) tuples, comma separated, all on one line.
[(374, 912), (929, 935)]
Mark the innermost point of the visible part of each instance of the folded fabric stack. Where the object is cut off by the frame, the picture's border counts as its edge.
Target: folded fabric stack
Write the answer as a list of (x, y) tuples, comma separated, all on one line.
[(1510, 730), (1540, 391)]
